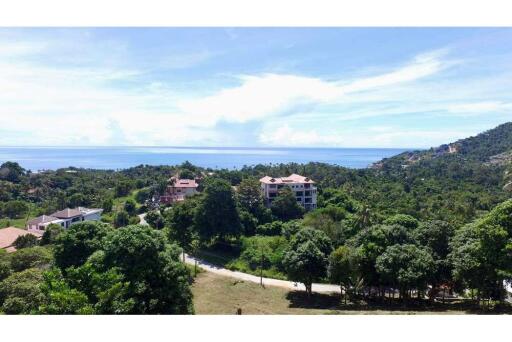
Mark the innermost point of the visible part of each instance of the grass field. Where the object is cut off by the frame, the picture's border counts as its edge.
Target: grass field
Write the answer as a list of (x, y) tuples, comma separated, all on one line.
[(218, 295), (19, 223)]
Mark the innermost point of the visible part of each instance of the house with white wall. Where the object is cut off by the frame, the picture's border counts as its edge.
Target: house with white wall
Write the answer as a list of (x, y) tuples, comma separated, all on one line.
[(302, 187), (65, 218), (179, 189), (40, 223)]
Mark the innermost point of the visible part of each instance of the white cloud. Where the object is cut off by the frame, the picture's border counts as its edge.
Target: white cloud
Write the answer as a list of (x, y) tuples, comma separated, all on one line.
[(422, 66), (286, 136), (97, 103), (478, 108), (372, 137), (263, 96)]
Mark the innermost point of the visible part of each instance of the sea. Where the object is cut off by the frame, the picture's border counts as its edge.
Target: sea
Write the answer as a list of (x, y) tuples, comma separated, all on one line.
[(114, 158)]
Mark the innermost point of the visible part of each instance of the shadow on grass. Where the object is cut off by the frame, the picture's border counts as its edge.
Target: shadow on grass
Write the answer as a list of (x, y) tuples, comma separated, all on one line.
[(300, 299)]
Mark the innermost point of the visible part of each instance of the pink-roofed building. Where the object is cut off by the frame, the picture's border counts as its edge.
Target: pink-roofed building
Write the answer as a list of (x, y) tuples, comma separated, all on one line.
[(9, 235), (303, 187), (179, 189)]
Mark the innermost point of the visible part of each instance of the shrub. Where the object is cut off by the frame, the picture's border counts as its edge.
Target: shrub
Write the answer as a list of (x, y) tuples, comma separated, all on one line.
[(130, 207), (121, 219), (34, 257), (268, 250), (5, 268), (20, 293), (15, 209), (25, 241), (51, 233), (406, 221), (270, 229)]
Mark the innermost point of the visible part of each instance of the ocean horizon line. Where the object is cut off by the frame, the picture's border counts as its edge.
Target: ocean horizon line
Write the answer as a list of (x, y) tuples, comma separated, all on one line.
[(215, 147)]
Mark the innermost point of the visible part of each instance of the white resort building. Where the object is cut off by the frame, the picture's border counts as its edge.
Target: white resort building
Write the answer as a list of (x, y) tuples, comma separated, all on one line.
[(64, 218), (303, 187)]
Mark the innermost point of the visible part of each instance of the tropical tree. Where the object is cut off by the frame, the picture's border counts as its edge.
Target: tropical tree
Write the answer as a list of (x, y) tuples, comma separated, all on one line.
[(250, 199), (403, 220), (406, 267), (285, 206), (217, 215), (143, 195), (481, 252), (130, 207), (437, 236), (51, 233), (155, 219), (157, 280), (107, 205), (24, 241), (33, 257), (15, 209), (364, 217), (344, 268), (180, 220), (20, 293), (60, 298), (306, 259), (5, 267), (76, 244), (121, 219), (371, 242), (11, 172), (123, 188)]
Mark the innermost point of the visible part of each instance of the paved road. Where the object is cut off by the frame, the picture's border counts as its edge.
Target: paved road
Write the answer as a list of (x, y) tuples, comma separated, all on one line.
[(321, 288), (142, 219), (290, 285)]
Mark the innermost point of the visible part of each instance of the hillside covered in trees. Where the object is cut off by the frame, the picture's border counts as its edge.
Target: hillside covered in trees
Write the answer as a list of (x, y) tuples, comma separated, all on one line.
[(421, 222)]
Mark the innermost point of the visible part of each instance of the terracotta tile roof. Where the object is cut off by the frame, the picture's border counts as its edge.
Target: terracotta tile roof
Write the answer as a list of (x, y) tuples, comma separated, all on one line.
[(43, 219), (67, 213), (293, 178), (184, 183), (9, 235)]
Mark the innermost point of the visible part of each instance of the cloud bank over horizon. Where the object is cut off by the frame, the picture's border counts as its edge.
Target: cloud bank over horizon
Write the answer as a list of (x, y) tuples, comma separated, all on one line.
[(252, 87)]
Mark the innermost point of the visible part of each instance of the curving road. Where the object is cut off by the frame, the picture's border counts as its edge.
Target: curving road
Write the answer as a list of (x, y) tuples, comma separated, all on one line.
[(290, 285), (143, 219)]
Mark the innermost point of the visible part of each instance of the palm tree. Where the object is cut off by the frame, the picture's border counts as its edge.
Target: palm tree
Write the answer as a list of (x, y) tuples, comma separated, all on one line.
[(364, 217)]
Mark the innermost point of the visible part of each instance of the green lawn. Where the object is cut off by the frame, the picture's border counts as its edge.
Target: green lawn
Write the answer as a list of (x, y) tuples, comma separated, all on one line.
[(232, 262), (19, 223)]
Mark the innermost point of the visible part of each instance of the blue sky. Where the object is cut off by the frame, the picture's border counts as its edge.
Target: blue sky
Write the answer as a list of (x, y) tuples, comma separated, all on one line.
[(339, 87)]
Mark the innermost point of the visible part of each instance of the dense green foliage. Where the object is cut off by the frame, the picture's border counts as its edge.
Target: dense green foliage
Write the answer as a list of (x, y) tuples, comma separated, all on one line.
[(216, 215), (285, 206), (133, 270), (418, 222), (305, 260), (481, 252)]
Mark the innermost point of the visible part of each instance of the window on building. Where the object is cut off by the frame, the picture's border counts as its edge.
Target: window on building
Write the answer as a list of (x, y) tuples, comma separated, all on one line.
[(299, 193), (307, 200)]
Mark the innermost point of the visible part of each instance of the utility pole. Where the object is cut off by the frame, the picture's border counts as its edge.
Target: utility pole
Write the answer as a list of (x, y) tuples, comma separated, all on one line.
[(261, 267)]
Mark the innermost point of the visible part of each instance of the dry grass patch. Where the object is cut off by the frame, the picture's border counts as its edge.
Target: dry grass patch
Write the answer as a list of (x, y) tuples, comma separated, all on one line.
[(219, 295)]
